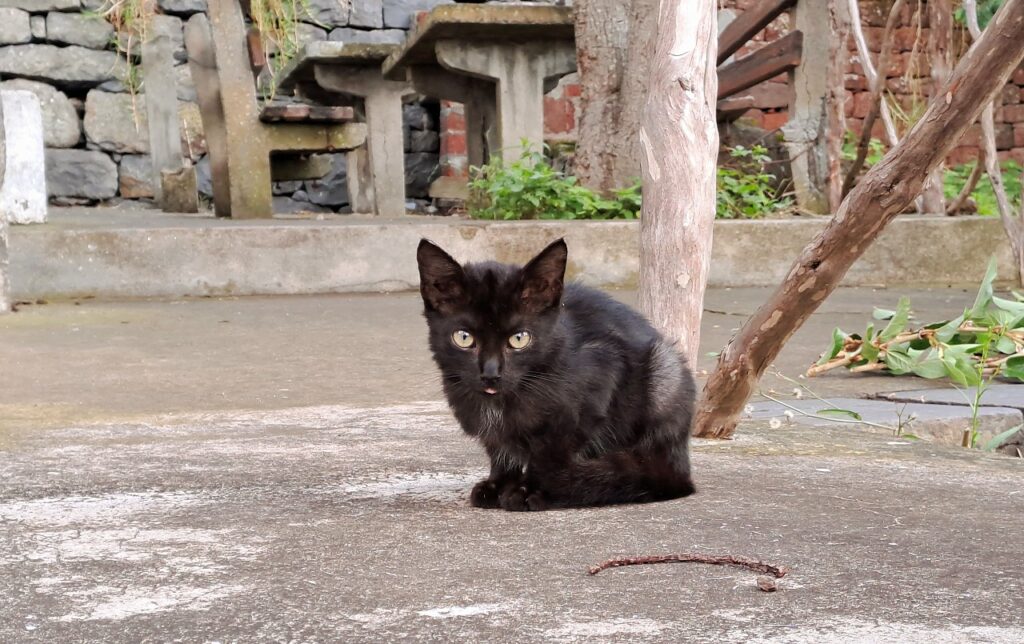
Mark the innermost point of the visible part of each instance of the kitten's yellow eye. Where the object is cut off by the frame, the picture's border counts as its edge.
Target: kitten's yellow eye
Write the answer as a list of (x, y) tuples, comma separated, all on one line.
[(463, 339), (520, 340)]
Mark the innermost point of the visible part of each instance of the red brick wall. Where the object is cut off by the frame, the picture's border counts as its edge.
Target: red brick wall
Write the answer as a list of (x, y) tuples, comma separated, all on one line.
[(907, 78)]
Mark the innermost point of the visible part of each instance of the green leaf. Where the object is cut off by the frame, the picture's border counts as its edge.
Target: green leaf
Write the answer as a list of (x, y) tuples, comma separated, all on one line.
[(931, 368), (898, 362), (1014, 368), (899, 321), (882, 314), (1000, 438), (838, 338), (1006, 345), (946, 332), (839, 412), (984, 297), (869, 351)]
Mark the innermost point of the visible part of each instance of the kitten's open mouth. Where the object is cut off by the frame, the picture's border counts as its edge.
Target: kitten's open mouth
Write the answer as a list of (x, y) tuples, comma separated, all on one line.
[(490, 391)]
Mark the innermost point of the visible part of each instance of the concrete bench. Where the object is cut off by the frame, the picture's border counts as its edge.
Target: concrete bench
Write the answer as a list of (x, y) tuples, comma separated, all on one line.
[(248, 146)]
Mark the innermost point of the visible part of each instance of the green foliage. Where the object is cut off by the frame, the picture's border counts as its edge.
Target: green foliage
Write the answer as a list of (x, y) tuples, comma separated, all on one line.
[(986, 341), (986, 9), (529, 188), (983, 194), (745, 189), (876, 149)]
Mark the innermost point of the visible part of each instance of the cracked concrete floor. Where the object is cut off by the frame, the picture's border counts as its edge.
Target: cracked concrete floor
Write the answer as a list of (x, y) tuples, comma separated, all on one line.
[(282, 469)]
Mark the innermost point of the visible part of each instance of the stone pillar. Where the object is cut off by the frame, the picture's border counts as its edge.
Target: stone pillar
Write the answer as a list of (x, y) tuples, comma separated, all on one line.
[(383, 101), (520, 73), (23, 194)]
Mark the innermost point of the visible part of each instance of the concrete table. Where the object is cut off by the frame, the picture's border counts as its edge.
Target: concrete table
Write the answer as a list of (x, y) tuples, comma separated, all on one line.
[(322, 71), (498, 61)]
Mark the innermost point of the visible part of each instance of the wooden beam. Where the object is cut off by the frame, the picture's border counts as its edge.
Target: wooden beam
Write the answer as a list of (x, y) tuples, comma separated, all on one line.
[(771, 60), (747, 24), (732, 108)]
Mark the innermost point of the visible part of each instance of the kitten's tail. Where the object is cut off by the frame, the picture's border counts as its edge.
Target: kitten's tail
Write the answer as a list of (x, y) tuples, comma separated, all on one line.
[(625, 476)]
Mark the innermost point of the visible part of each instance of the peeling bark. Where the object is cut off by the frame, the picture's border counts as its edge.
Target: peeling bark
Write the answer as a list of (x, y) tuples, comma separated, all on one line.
[(679, 139), (884, 191), (643, 23)]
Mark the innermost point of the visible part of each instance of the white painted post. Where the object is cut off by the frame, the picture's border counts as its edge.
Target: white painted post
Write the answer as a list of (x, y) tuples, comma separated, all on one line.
[(23, 195)]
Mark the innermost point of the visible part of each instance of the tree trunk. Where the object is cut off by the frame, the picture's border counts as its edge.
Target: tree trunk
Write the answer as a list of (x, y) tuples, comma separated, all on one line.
[(5, 301), (614, 41), (679, 140), (884, 191), (816, 125), (602, 31), (643, 25), (940, 39)]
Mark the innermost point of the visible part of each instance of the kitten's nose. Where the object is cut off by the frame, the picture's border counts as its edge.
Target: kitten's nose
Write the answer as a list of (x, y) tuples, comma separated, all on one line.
[(490, 375), (491, 370)]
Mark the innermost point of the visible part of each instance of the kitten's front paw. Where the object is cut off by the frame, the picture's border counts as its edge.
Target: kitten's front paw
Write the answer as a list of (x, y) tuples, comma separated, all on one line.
[(519, 499), (484, 495)]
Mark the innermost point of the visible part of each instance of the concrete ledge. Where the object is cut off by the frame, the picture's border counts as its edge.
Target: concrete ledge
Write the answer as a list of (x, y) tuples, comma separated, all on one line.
[(112, 253)]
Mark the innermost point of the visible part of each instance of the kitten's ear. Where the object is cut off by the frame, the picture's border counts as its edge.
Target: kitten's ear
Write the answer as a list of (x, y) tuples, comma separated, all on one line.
[(543, 277), (442, 281)]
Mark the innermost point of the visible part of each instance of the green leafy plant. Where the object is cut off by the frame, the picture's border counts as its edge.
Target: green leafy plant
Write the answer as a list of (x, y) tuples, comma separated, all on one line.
[(986, 9), (985, 342), (529, 188), (983, 195), (876, 149), (745, 189)]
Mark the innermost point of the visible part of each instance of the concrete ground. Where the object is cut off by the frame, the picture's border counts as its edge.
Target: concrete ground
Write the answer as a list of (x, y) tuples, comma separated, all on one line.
[(284, 469)]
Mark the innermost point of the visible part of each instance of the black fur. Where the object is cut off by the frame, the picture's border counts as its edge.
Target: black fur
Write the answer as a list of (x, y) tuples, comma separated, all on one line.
[(595, 410)]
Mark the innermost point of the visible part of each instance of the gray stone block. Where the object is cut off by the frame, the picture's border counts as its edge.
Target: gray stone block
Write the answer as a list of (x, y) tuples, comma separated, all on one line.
[(77, 29), (377, 37), (997, 395), (39, 6), (73, 66), (183, 84), (172, 27), (182, 7), (114, 124), (367, 13), (135, 176), (421, 168), (15, 26), (331, 190), (289, 206), (80, 173), (328, 13), (398, 14), (286, 187), (61, 125), (417, 117), (38, 26), (23, 194), (422, 141), (95, 5)]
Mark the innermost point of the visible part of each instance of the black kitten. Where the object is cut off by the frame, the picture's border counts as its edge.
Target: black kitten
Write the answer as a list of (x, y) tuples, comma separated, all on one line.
[(576, 398)]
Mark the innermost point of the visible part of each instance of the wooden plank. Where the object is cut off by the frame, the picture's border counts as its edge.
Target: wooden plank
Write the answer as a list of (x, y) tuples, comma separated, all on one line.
[(332, 113), (732, 108), (747, 24), (161, 109), (771, 60), (257, 57), (288, 112)]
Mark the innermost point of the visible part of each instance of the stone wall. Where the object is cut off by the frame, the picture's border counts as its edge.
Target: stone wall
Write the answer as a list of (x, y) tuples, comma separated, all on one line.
[(95, 133)]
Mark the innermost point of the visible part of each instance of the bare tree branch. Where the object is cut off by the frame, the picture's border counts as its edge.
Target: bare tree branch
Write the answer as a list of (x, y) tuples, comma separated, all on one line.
[(875, 97), (953, 207)]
